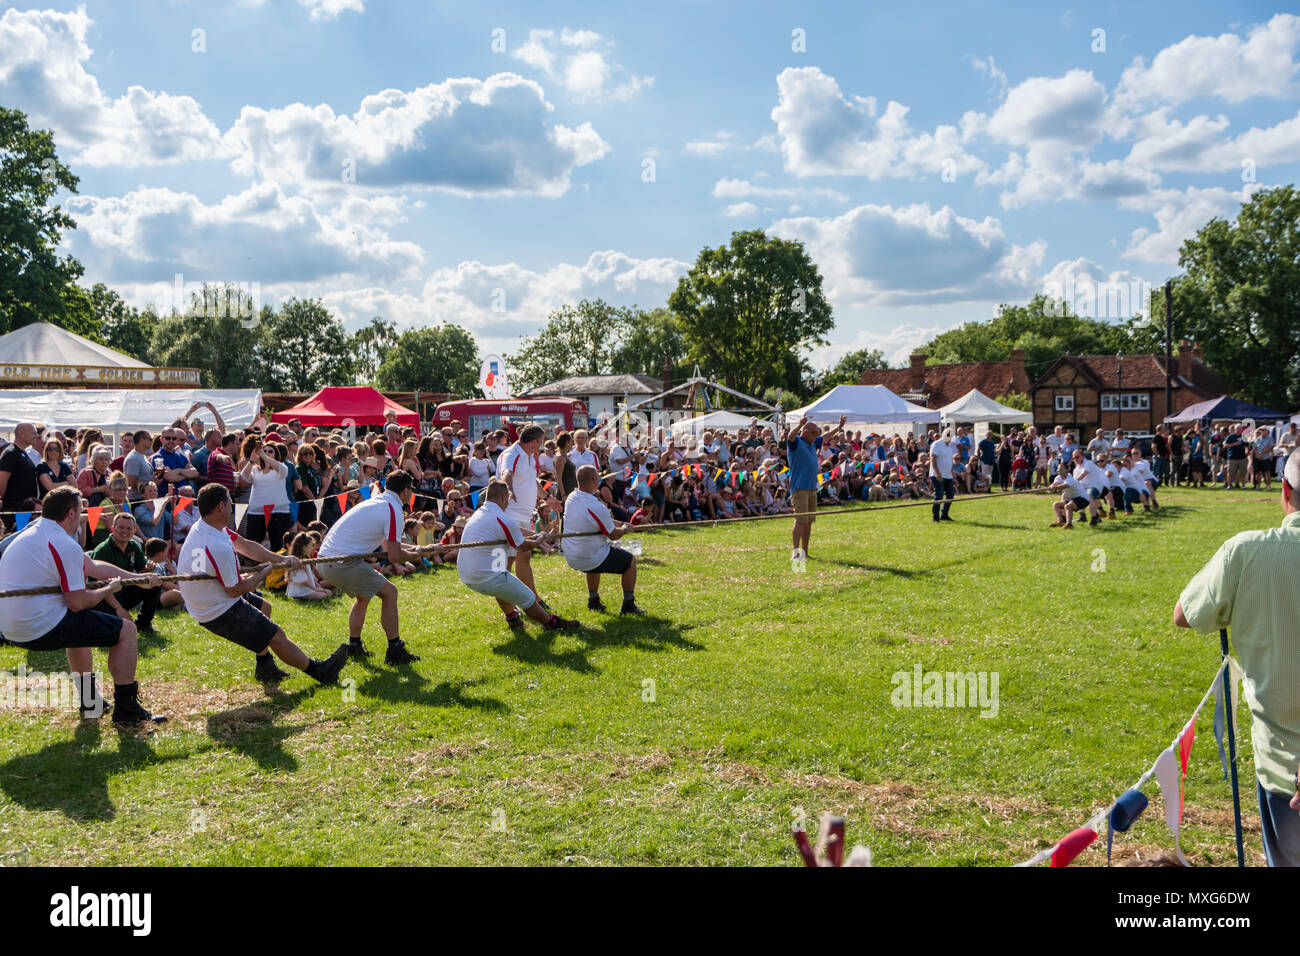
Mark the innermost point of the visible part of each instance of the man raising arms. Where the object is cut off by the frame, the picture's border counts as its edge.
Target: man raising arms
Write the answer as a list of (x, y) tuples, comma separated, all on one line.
[(805, 441)]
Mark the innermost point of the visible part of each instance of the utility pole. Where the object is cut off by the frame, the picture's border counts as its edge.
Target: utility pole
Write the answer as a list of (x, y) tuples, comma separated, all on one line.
[(1169, 347)]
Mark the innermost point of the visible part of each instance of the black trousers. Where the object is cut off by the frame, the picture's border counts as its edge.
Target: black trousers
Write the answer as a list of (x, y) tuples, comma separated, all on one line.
[(146, 598), (258, 528), (943, 489)]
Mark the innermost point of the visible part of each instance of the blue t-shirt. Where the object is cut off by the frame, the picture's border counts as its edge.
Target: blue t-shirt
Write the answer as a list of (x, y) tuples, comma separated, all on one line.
[(988, 451), (289, 479), (803, 463), (200, 461), (174, 460)]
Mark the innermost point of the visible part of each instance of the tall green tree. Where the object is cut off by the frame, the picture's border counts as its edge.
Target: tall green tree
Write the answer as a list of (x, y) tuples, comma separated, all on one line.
[(849, 369), (652, 336), (1239, 298), (121, 326), (746, 308), (1043, 327), (580, 339), (303, 347), (370, 346), (436, 358), (36, 283), (217, 334)]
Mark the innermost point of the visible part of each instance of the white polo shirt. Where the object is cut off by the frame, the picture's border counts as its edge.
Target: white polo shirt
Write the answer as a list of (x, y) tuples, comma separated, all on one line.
[(619, 459), (1090, 475), (1143, 471), (942, 454), (1112, 476), (365, 527), (42, 555), (583, 511), (1071, 485), (209, 550), (1055, 442), (1129, 477), (489, 524), (580, 458), (524, 467)]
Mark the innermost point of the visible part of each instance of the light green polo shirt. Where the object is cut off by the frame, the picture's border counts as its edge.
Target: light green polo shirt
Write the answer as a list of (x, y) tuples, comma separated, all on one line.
[(1252, 585)]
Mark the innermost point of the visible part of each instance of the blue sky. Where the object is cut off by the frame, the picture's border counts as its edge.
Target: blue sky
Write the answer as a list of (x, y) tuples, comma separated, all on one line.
[(484, 163)]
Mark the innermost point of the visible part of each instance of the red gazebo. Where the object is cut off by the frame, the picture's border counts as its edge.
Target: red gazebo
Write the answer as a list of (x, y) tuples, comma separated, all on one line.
[(360, 405)]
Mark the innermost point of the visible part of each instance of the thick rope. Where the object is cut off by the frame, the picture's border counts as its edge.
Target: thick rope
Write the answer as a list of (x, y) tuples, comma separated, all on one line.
[(444, 548)]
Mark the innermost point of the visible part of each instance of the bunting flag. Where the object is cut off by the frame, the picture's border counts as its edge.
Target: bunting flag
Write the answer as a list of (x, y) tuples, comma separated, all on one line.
[(1234, 679), (342, 499), (1128, 807), (92, 516), (266, 512), (821, 480), (547, 486), (293, 512), (240, 511), (159, 506), (365, 493), (650, 479), (21, 518), (473, 498), (184, 503), (1072, 845)]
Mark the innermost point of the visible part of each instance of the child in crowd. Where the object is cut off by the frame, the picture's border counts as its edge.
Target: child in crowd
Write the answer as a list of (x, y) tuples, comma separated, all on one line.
[(452, 536), (157, 562), (303, 583)]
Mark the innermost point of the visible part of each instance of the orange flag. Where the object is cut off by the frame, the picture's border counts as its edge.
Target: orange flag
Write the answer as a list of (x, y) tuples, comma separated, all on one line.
[(92, 516), (343, 502), (181, 505), (266, 511)]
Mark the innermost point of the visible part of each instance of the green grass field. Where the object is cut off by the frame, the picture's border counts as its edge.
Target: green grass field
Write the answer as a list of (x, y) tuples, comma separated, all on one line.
[(771, 697)]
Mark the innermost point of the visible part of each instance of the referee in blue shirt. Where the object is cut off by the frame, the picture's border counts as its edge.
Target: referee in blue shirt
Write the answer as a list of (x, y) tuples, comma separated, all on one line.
[(801, 451)]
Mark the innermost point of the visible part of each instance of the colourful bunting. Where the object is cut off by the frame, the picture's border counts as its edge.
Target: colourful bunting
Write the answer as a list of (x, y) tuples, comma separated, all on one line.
[(473, 498), (343, 502), (266, 512), (92, 517), (184, 503), (293, 512), (159, 506), (365, 493), (22, 517), (1072, 845)]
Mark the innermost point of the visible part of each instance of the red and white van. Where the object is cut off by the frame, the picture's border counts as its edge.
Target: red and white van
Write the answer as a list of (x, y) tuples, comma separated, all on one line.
[(485, 415)]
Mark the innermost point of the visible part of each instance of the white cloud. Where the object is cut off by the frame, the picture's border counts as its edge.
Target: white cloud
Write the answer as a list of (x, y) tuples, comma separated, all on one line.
[(258, 235), (1092, 292), (721, 142), (740, 209), (1196, 146), (728, 188), (582, 61), (1179, 215), (1067, 111), (822, 132), (42, 69), (1226, 67), (465, 135), (897, 344), (914, 255), (330, 9)]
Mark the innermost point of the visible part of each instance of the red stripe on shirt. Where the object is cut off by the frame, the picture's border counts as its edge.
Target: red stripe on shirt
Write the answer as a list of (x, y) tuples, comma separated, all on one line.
[(58, 562), (392, 524), (509, 540), (600, 524), (216, 569)]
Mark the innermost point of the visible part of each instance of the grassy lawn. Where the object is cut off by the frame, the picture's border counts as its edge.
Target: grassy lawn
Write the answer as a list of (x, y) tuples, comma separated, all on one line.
[(771, 694)]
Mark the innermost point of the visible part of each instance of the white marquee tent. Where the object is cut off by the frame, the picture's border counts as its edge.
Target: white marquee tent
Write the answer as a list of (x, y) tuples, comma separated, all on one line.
[(119, 410), (977, 407), (712, 422), (867, 407), (41, 343)]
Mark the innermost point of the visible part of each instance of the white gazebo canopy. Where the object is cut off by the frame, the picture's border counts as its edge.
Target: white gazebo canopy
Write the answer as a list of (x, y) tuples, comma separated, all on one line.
[(41, 343), (975, 406), (700, 424), (119, 410), (864, 404)]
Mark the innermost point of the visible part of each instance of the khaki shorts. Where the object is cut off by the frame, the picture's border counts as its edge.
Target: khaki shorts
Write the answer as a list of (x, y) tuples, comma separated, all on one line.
[(805, 507), (1237, 469), (355, 577)]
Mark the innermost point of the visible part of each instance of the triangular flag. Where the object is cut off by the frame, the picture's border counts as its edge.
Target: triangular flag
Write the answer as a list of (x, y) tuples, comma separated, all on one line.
[(1166, 770), (1128, 807), (293, 512), (92, 516), (365, 493), (159, 506), (240, 511), (650, 478), (182, 504), (266, 512), (343, 502), (1185, 741), (21, 519), (473, 498), (1072, 845)]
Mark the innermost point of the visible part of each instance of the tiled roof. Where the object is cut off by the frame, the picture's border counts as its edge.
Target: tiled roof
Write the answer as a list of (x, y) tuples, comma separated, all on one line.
[(1146, 371), (947, 383)]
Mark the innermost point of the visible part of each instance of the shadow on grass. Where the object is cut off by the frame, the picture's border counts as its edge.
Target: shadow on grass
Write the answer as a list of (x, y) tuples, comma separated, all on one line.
[(642, 633), (251, 729), (69, 778), (405, 685)]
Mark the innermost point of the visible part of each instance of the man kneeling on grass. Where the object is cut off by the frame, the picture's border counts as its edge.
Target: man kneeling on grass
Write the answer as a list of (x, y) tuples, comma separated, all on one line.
[(584, 512), (226, 605), (45, 554), (485, 569)]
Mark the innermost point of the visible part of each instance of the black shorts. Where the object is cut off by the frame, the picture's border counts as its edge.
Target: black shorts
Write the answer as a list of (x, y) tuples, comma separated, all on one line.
[(1080, 503), (243, 623), (86, 628), (616, 562)]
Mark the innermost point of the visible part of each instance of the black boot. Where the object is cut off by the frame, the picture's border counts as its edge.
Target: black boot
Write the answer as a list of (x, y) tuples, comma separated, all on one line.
[(327, 671), (357, 649), (267, 671), (93, 706), (129, 710), (398, 654)]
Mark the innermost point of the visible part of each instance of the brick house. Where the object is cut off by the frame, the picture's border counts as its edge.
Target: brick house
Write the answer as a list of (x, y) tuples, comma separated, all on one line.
[(1082, 393), (934, 386)]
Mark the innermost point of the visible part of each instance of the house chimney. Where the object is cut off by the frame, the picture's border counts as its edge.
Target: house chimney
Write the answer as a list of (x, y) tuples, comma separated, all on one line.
[(918, 371), (1018, 373), (1196, 351), (1185, 354)]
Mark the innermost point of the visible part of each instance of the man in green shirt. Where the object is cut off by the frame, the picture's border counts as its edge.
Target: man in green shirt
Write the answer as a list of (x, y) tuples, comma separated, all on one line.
[(122, 550), (1252, 584)]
